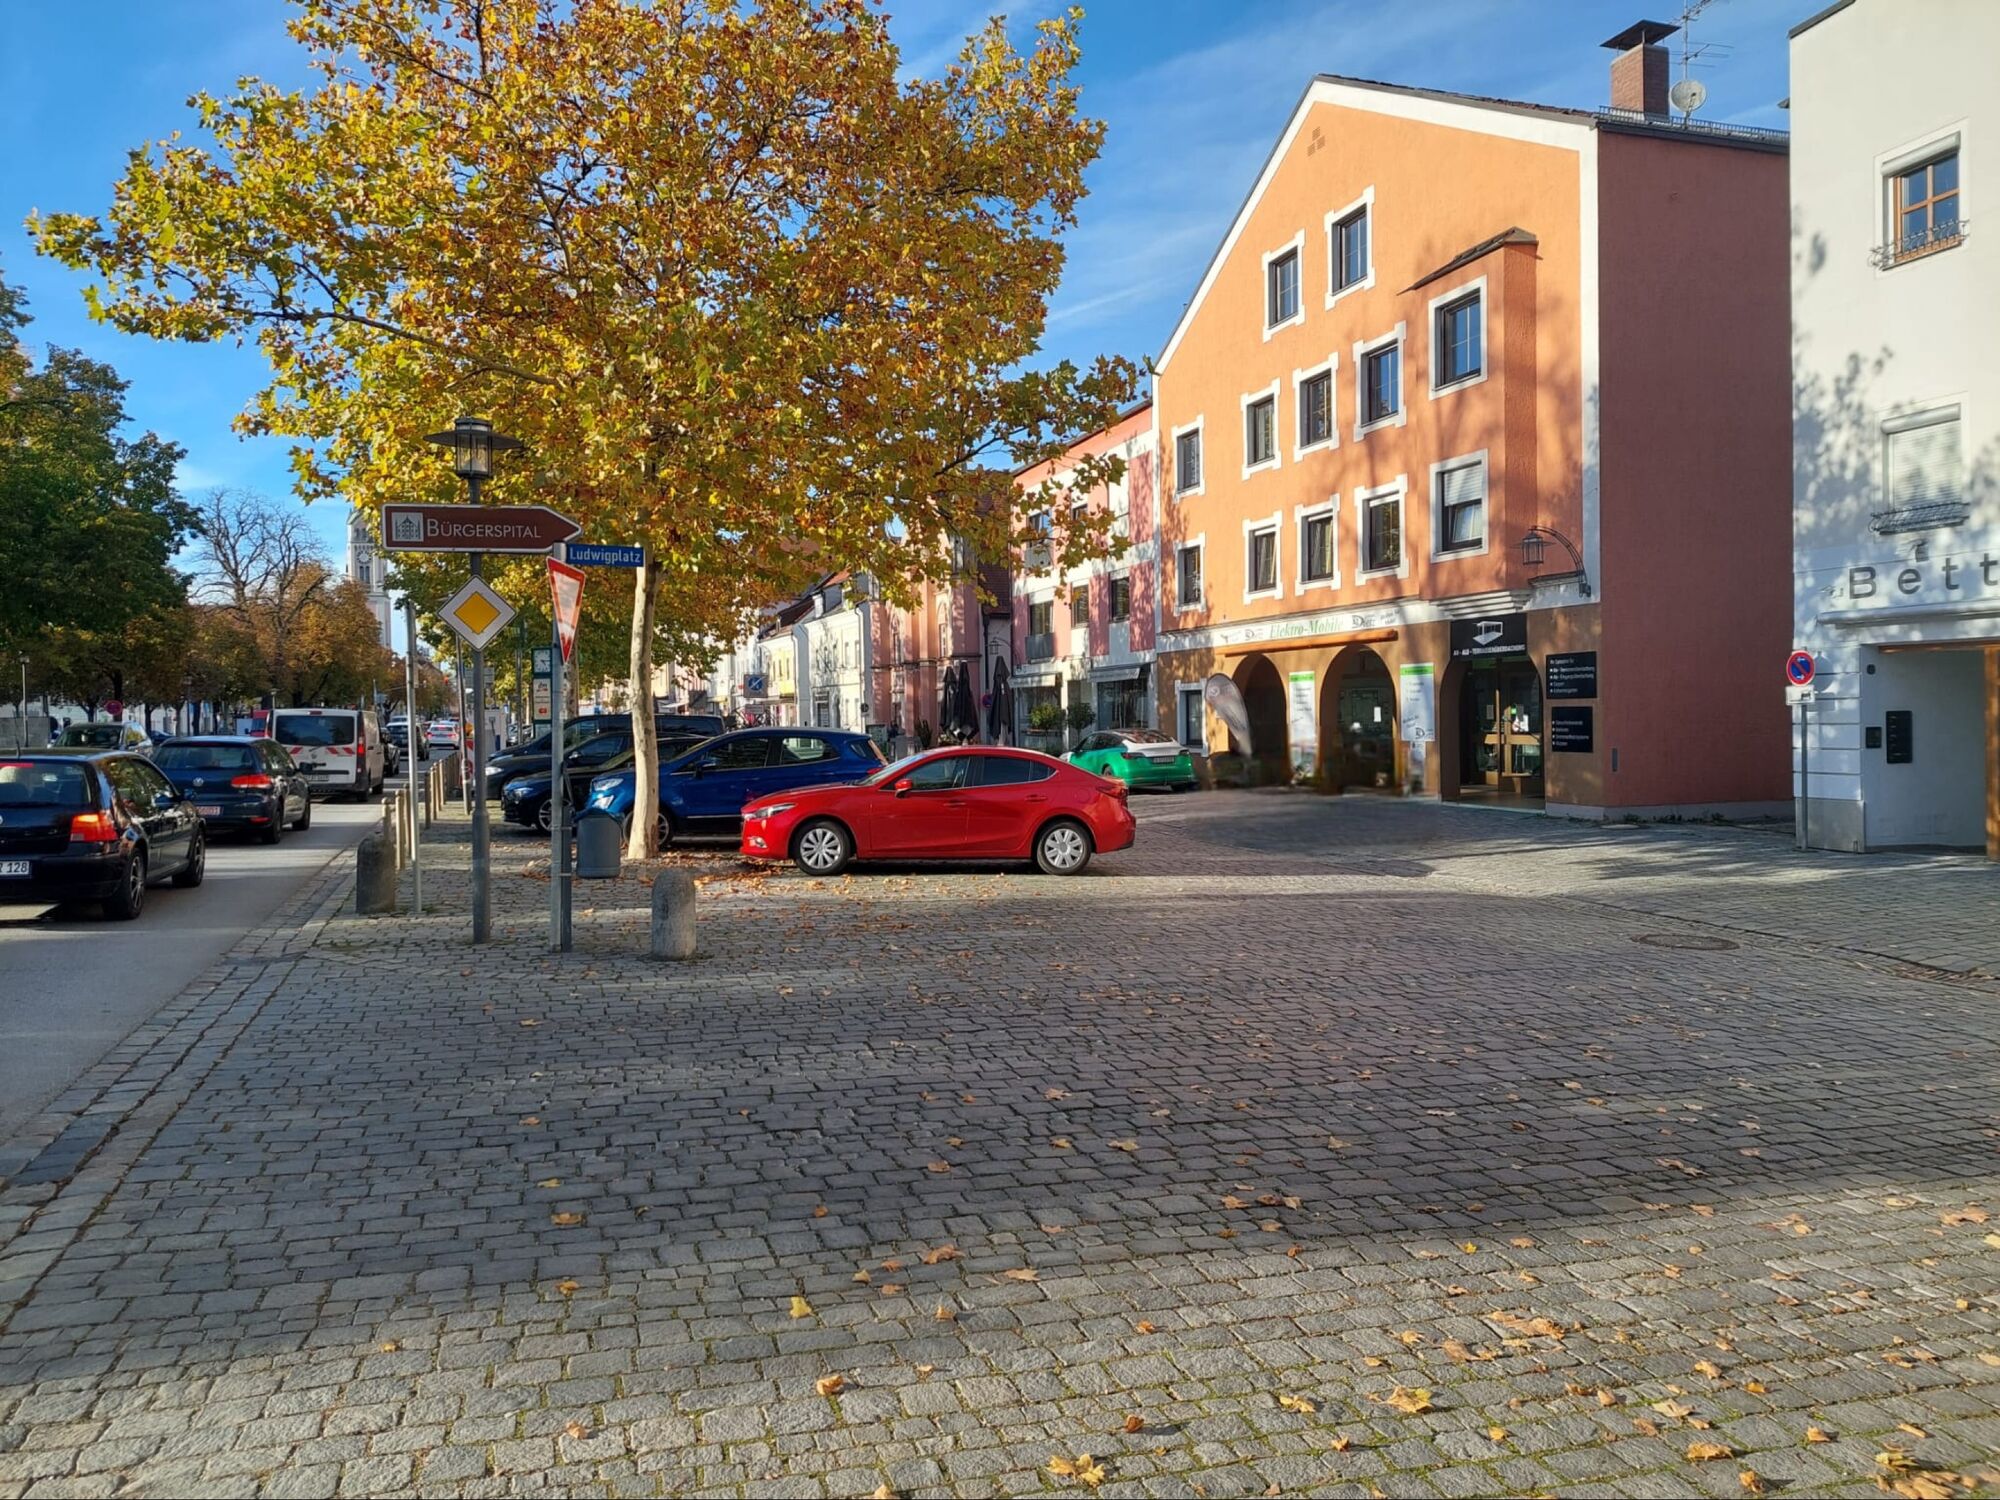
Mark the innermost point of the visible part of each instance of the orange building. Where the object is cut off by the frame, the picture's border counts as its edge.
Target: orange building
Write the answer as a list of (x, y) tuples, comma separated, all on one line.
[(1475, 453)]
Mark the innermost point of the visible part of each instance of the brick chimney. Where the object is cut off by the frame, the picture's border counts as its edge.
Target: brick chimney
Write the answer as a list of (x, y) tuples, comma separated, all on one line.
[(1639, 71)]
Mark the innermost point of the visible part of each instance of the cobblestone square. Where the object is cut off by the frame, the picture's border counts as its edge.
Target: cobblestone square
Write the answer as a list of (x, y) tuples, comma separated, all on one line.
[(1329, 1146)]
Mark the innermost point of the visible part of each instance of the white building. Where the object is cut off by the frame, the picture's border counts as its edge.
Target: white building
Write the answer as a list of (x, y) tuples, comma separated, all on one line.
[(366, 568), (1896, 421)]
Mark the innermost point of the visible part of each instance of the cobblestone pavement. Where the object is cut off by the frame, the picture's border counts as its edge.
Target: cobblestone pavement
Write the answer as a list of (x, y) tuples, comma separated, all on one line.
[(1327, 1146)]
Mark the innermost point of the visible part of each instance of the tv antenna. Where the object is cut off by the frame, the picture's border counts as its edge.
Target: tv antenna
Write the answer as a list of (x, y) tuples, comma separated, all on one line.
[(1689, 93)]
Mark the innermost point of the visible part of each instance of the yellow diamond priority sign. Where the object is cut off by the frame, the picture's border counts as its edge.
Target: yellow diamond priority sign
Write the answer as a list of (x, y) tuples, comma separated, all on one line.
[(477, 613)]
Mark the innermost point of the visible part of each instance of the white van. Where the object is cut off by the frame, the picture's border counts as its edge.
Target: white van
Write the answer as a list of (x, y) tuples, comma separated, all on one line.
[(338, 748)]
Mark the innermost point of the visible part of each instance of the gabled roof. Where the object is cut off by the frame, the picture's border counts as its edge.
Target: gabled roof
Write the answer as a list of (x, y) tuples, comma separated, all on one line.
[(1514, 236)]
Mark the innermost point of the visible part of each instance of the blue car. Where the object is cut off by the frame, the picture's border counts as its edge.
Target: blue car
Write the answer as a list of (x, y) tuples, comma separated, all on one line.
[(702, 791)]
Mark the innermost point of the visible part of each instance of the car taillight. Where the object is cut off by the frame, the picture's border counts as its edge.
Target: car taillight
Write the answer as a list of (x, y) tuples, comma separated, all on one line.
[(93, 828), (255, 779)]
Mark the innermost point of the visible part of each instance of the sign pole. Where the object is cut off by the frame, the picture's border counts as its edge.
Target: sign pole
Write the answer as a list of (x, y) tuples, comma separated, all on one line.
[(559, 927), (482, 873), (419, 783), (1805, 771)]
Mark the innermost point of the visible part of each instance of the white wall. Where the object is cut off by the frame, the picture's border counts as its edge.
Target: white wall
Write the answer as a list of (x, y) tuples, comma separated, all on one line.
[(1870, 85), (1939, 796)]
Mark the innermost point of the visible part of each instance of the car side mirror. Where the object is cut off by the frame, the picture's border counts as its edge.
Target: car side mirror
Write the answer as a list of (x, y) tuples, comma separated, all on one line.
[(901, 787), (165, 799)]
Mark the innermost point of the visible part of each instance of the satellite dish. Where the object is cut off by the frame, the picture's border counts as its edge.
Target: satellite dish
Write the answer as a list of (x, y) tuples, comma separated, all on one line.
[(1687, 95)]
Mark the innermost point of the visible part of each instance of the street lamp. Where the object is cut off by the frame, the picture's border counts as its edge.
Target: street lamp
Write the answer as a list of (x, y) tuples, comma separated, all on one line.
[(473, 442), (1534, 546)]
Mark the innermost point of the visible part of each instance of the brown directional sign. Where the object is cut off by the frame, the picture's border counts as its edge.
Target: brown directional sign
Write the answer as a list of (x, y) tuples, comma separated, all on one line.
[(473, 528)]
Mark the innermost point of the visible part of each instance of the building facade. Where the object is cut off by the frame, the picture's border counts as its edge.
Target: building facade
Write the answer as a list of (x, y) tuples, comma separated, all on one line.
[(365, 567), (1466, 482), (1086, 635), (1896, 396)]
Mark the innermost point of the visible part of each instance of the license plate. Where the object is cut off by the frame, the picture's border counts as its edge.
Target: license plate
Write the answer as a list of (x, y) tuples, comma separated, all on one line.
[(18, 867), (209, 809)]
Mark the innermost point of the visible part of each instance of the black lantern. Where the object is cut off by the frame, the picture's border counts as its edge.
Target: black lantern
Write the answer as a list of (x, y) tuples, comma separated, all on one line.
[(473, 442), (1532, 548), (1535, 545)]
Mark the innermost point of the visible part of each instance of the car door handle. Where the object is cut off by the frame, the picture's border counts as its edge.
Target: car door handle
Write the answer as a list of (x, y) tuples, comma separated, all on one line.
[(1034, 797), (954, 802)]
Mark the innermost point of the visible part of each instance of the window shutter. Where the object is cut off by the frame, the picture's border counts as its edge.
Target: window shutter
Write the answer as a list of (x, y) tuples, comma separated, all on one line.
[(1923, 464), (1462, 486)]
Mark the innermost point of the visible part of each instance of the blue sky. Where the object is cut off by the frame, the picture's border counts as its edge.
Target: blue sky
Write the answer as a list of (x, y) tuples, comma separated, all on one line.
[(1193, 92)]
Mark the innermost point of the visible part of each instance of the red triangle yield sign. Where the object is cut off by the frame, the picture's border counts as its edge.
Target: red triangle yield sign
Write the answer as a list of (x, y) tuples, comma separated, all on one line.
[(566, 584)]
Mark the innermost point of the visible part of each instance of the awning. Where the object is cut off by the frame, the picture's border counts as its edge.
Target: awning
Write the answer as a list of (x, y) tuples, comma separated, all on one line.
[(1129, 672), (1036, 673)]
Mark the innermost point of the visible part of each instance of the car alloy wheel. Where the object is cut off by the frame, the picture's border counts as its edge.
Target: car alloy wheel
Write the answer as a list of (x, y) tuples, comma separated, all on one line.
[(545, 817), (1063, 849), (131, 898), (197, 864), (822, 849)]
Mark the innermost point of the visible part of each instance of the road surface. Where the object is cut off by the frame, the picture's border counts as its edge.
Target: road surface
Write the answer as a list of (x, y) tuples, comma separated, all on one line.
[(72, 990)]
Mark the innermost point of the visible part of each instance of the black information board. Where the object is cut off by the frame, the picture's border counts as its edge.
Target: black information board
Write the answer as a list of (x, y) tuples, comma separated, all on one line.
[(1572, 674), (1899, 729), (1573, 730)]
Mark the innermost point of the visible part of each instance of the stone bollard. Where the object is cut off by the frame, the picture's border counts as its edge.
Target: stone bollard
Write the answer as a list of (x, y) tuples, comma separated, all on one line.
[(391, 838), (673, 915), (374, 876)]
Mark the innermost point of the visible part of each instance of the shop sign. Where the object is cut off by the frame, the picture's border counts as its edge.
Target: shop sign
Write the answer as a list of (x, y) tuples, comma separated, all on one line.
[(1572, 674), (1490, 635), (1304, 721), (1572, 730), (1416, 700)]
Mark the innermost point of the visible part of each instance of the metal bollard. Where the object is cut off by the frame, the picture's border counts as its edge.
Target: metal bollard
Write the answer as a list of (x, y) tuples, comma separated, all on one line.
[(673, 915), (374, 876)]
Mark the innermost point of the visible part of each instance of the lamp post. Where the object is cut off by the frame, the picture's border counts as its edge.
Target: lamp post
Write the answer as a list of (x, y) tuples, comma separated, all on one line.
[(473, 442), (1534, 546), (21, 708)]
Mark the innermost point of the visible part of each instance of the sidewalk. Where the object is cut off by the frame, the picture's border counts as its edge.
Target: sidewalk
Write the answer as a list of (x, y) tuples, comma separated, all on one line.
[(1338, 1101)]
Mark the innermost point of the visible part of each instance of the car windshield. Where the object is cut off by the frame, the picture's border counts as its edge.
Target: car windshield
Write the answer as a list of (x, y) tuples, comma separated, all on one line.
[(41, 783), (94, 736), (315, 729), (1144, 737), (205, 758)]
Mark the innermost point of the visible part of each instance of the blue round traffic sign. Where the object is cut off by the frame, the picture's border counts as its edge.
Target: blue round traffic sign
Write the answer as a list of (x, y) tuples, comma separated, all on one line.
[(1799, 668)]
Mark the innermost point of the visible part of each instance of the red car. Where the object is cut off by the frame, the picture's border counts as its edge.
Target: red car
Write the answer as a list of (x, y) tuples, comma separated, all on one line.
[(973, 802)]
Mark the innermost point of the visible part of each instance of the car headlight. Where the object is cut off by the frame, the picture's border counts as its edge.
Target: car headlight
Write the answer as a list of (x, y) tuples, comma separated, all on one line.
[(770, 807)]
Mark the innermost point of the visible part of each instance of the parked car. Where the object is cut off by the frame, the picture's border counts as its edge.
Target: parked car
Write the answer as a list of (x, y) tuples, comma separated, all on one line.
[(239, 783), (103, 736), (94, 826), (397, 732), (340, 749), (442, 734), (526, 800), (1137, 757), (703, 790), (674, 732), (968, 803)]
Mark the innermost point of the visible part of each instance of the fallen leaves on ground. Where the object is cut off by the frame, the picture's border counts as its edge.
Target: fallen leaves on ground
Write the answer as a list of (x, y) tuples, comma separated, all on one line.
[(883, 1492), (937, 1166), (1751, 1481), (1135, 1423), (945, 1314), (830, 1385), (549, 1182), (1709, 1368), (1083, 1467), (1409, 1400), (565, 1221), (801, 1308), (1062, 1143), (1496, 1434), (1678, 1411), (1144, 1327), (568, 1288), (1341, 1443), (1645, 1427), (529, 1021), (390, 1346), (1545, 1328), (820, 1212), (575, 1430), (531, 1119), (1127, 1145), (1296, 1403), (1818, 1435), (1703, 1452), (1021, 1273), (942, 1254), (1971, 1214)]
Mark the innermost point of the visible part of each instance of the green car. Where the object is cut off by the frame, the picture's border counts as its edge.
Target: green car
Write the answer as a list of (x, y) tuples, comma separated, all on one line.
[(1137, 757)]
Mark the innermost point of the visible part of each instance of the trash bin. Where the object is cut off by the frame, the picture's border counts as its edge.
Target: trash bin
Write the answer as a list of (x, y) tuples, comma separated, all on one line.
[(600, 841)]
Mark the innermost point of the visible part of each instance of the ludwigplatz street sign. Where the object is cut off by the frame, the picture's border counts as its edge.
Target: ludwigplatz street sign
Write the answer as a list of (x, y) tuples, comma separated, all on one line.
[(473, 528)]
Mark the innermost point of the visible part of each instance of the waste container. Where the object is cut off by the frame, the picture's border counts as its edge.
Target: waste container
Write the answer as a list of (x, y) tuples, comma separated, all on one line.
[(600, 841)]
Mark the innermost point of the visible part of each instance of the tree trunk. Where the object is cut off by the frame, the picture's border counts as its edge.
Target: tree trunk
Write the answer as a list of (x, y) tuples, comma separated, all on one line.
[(643, 841)]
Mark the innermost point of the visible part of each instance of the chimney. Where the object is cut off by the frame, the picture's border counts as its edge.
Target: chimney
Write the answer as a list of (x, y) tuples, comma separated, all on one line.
[(1639, 71)]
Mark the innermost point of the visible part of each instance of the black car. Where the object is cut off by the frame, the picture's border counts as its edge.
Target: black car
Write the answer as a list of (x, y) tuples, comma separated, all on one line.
[(239, 783), (532, 756), (526, 800), (397, 733), (95, 826)]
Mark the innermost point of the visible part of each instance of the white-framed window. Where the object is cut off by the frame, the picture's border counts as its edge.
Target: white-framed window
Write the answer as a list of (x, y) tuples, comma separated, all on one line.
[(1350, 252), (1190, 716), (1921, 204), (1121, 598), (1187, 459), (1121, 504), (1260, 429), (1923, 458), (1189, 589), (1039, 555), (1079, 605), (1284, 302), (1260, 558), (1316, 422), (1378, 531), (1319, 544), (1458, 506), (1378, 382), (1458, 338)]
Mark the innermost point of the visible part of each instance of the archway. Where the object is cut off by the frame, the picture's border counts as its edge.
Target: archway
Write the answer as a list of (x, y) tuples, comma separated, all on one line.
[(1263, 693), (1357, 715)]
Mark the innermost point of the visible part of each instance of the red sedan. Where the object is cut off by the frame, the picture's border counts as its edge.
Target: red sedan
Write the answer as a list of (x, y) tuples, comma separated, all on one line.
[(973, 802)]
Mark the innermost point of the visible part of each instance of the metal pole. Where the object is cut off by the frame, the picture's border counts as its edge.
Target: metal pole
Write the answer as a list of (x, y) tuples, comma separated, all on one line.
[(482, 874), (559, 934), (1805, 771), (419, 783), (461, 748), (521, 697)]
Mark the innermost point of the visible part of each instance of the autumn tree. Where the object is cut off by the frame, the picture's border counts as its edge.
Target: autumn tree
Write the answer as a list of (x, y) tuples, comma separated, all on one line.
[(752, 299)]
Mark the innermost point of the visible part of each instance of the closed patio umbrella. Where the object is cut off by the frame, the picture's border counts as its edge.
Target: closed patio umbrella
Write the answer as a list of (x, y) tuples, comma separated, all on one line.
[(997, 719)]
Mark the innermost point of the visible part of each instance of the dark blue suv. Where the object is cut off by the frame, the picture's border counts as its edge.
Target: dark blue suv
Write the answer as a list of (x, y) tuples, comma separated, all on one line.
[(702, 791)]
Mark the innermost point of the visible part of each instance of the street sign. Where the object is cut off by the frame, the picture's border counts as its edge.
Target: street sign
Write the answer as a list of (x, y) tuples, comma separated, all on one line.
[(566, 584), (542, 696), (473, 528), (477, 613), (596, 555), (543, 664), (1799, 668)]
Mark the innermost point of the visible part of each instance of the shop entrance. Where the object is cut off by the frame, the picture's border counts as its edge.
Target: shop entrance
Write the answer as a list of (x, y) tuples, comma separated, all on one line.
[(1264, 700), (1358, 706), (1500, 729)]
